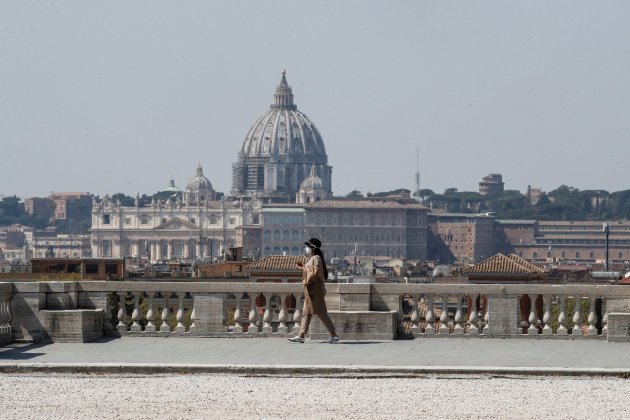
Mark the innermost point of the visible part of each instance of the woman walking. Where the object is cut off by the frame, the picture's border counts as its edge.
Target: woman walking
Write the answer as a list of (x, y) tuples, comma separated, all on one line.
[(314, 275)]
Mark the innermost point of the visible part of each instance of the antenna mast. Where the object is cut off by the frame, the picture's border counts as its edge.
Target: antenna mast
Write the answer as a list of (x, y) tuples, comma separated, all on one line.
[(418, 174)]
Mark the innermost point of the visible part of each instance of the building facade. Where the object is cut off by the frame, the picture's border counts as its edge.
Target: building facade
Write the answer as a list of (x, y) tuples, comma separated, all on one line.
[(368, 227), (278, 153), (71, 205), (575, 241), (464, 238), (492, 183), (174, 229)]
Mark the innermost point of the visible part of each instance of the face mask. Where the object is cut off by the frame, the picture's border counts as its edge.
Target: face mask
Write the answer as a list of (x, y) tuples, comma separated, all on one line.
[(307, 250)]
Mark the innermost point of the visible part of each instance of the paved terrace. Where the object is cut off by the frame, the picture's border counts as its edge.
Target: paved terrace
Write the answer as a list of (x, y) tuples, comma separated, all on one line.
[(351, 358)]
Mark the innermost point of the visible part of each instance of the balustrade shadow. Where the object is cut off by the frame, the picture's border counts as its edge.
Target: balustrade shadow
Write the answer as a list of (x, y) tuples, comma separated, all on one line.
[(21, 351)]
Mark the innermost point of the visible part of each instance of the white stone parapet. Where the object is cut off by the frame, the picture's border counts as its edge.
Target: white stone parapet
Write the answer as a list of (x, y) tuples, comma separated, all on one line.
[(235, 309)]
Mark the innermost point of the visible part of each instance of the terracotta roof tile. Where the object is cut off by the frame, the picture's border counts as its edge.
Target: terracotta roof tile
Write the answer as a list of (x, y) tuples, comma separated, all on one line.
[(501, 264), (364, 204), (278, 263)]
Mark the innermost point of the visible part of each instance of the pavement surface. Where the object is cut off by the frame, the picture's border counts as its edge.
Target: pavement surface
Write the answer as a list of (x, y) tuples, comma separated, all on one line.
[(277, 356), (436, 378)]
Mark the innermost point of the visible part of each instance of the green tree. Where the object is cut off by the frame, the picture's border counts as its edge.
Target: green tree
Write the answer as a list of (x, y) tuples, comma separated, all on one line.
[(355, 194)]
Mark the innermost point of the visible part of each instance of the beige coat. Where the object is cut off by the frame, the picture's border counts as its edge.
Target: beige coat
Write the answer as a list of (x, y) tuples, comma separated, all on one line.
[(314, 286)]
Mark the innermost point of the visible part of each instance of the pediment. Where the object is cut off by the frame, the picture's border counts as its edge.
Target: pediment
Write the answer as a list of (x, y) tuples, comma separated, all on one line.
[(177, 224)]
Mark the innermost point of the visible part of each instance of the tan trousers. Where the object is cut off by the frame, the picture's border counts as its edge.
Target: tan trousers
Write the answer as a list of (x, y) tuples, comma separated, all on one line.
[(306, 321)]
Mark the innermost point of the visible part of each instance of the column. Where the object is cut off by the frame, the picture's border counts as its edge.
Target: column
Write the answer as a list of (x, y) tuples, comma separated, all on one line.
[(186, 249), (169, 249), (158, 250)]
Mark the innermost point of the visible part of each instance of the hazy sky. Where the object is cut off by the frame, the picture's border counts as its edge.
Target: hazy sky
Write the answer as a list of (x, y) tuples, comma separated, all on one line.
[(120, 96)]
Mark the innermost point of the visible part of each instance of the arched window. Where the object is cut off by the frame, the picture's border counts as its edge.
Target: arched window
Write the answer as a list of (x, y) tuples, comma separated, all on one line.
[(267, 236), (286, 236), (276, 236), (276, 250), (267, 251)]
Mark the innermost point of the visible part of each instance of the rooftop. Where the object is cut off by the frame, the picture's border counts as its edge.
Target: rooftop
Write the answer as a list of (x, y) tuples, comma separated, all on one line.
[(278, 263), (502, 264)]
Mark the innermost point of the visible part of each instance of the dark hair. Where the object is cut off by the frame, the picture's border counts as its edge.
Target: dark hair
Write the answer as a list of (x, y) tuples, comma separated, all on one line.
[(317, 251)]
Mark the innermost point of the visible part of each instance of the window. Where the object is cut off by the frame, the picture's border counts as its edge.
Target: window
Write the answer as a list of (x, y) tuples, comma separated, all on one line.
[(213, 219), (592, 255), (621, 255), (564, 255), (144, 220), (192, 220), (106, 219), (535, 255), (127, 220), (163, 220), (577, 255), (256, 219), (232, 221)]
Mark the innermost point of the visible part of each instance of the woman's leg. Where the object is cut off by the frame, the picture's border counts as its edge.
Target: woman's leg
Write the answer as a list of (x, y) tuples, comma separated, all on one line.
[(328, 323), (306, 321)]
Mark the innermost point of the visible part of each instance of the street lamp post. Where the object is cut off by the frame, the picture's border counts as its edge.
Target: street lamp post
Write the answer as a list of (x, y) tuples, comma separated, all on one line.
[(606, 228)]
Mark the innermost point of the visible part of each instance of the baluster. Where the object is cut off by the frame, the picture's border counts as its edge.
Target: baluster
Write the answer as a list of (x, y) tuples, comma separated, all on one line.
[(458, 328), (415, 316), (592, 317), (238, 327), (473, 328), (150, 315), (193, 314), (180, 328), (430, 316), (533, 318), (108, 327), (282, 316), (166, 324), (253, 317), (401, 315), (605, 318), (577, 317), (486, 319), (122, 326), (135, 315), (547, 316), (5, 315), (562, 317), (267, 328), (297, 315), (444, 316)]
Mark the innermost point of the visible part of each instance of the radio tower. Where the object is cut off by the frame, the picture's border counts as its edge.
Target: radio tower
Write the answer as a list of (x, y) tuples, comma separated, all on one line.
[(418, 174)]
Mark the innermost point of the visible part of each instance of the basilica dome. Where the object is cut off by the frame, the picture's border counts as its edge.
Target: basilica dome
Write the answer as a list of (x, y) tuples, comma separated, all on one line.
[(313, 182), (283, 131), (278, 151), (199, 181), (199, 188)]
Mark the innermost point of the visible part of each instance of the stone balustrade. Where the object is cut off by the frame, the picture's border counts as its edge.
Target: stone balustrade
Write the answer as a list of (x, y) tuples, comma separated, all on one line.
[(235, 309), (5, 313)]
